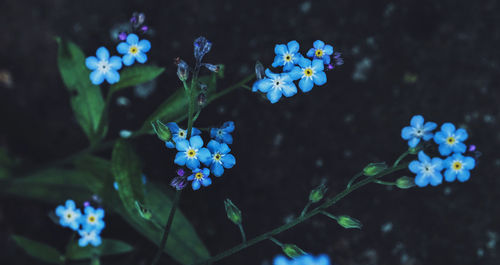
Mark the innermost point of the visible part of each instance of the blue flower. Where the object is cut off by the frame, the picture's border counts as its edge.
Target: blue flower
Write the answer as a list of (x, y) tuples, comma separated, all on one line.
[(68, 215), (320, 51), (302, 260), (103, 67), (219, 158), (200, 177), (133, 49), (450, 140), (276, 85), (93, 219), (458, 167), (427, 170), (418, 130), (309, 73), (191, 152), (89, 236), (178, 134), (286, 55), (223, 134)]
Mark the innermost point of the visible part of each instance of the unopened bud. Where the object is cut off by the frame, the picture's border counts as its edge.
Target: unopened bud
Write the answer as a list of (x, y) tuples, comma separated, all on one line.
[(203, 87), (414, 150), (201, 47), (144, 29), (182, 70), (143, 211), (212, 67), (259, 70), (161, 130), (349, 222), (373, 169), (293, 251), (317, 194), (405, 182), (179, 183), (202, 100), (233, 213)]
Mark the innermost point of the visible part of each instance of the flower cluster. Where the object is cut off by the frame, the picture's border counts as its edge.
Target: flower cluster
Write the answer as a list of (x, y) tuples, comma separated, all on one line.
[(302, 260), (89, 225), (310, 72), (104, 67), (202, 161), (450, 141)]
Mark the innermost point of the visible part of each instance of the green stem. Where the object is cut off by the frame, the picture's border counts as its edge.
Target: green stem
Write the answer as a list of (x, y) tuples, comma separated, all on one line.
[(231, 88), (276, 241), (329, 215), (354, 178), (168, 225), (318, 210), (387, 183), (196, 116), (243, 236), (401, 157), (305, 208)]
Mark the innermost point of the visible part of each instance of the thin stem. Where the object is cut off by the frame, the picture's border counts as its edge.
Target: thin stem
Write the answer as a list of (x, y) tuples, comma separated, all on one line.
[(354, 178), (231, 88), (196, 116), (305, 208), (329, 215), (387, 183), (168, 225), (401, 157), (243, 236), (275, 241)]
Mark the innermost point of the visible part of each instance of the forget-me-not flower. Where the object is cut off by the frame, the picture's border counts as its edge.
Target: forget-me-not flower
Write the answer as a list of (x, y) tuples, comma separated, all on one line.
[(428, 170), (133, 49), (418, 130), (219, 158), (320, 51), (223, 134), (310, 73), (93, 219), (200, 177), (103, 67), (457, 167), (178, 134), (69, 215), (191, 152), (286, 55), (302, 260), (89, 236), (450, 140), (276, 85)]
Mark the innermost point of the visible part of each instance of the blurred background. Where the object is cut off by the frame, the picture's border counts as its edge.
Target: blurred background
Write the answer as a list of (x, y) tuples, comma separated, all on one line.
[(435, 58)]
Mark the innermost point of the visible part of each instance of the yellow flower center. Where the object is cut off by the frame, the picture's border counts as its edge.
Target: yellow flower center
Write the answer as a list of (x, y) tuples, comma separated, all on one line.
[(91, 219), (181, 134), (308, 72), (319, 53), (450, 140), (198, 176), (68, 216), (217, 157), (133, 49), (191, 153), (288, 57), (457, 165)]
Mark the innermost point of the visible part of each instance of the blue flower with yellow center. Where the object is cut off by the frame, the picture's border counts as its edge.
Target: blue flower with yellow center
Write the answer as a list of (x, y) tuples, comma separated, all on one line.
[(93, 219), (302, 260), (200, 177), (69, 215), (320, 51), (450, 140), (458, 167), (133, 49), (287, 55), (275, 85), (418, 130), (223, 134), (219, 158), (310, 73), (191, 152), (178, 134), (428, 170), (89, 237), (103, 67)]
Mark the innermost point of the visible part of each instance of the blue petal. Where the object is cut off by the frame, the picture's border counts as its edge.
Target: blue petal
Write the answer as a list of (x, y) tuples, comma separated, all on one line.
[(423, 157), (144, 45), (192, 163), (102, 53), (413, 142), (82, 242), (289, 90), (96, 77), (439, 138), (304, 62), (270, 74), (469, 163), (180, 159), (444, 149), (427, 136), (278, 61), (227, 138), (288, 66), (115, 62), (407, 132), (274, 95), (206, 182), (224, 149), (112, 76), (217, 169), (70, 204), (281, 260), (429, 126), (173, 127), (421, 181), (204, 156), (436, 179), (195, 131), (328, 50), (317, 65), (310, 53), (459, 148), (448, 128), (326, 59), (228, 126), (141, 57), (296, 73), (306, 84), (91, 62), (265, 85), (128, 59), (255, 86), (280, 49), (213, 132), (60, 210), (196, 142), (228, 161), (293, 46), (182, 145), (318, 44), (437, 163), (450, 175), (132, 39), (196, 185), (461, 135), (205, 172), (213, 146), (415, 166), (463, 175), (319, 78), (123, 48), (417, 121)]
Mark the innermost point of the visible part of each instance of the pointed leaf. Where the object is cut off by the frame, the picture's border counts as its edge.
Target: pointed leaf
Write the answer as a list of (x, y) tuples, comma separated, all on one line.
[(39, 250), (108, 247), (135, 75)]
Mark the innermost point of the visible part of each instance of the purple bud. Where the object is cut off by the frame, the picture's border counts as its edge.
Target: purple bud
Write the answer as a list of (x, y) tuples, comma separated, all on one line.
[(330, 66), (179, 183), (337, 58), (144, 29), (122, 36), (182, 70), (472, 148), (201, 47), (212, 67), (133, 19), (259, 70), (86, 204), (141, 18), (180, 172)]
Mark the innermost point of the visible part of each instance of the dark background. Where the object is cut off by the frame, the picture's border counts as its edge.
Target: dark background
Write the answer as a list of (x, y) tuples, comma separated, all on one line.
[(449, 48)]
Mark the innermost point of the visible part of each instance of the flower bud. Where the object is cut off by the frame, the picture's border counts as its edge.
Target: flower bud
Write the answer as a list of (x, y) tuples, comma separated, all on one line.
[(182, 70), (212, 67), (161, 130), (202, 100), (179, 183), (348, 222), (233, 213), (414, 150), (201, 47), (373, 169), (259, 70), (405, 182), (293, 251), (143, 211), (317, 194)]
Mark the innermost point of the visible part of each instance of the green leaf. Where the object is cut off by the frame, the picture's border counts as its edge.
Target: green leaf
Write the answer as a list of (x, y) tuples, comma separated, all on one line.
[(126, 168), (108, 247), (86, 99), (39, 250), (136, 75)]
